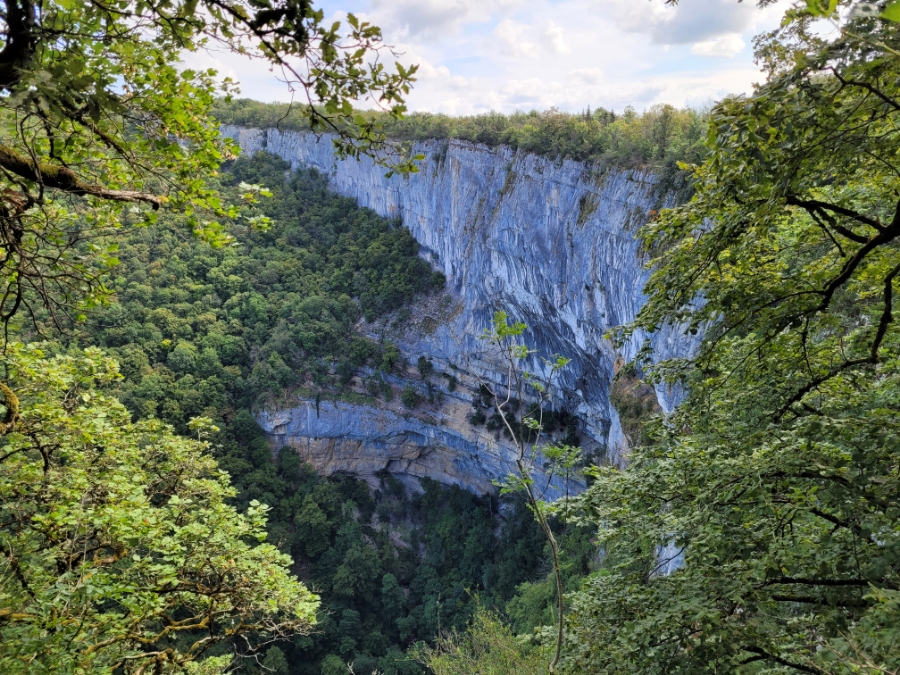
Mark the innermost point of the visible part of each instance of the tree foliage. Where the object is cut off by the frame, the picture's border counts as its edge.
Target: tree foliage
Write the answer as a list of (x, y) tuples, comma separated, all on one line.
[(396, 568), (101, 124), (524, 424), (487, 647), (202, 331), (658, 137), (774, 488), (209, 332), (119, 549)]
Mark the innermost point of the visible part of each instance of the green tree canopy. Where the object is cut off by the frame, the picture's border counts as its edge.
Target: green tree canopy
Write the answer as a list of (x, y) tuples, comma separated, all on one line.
[(120, 551), (100, 123), (488, 647), (775, 487)]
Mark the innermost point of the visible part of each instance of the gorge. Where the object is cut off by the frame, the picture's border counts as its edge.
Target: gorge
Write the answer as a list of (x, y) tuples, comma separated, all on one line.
[(551, 242)]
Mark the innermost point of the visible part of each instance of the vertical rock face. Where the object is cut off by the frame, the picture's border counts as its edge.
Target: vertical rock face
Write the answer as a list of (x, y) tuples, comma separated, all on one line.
[(552, 243)]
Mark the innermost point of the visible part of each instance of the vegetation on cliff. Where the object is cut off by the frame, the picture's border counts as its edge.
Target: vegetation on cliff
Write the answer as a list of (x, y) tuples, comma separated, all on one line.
[(630, 138), (659, 137), (396, 568), (101, 122), (775, 486), (211, 332), (202, 331), (119, 551), (754, 531)]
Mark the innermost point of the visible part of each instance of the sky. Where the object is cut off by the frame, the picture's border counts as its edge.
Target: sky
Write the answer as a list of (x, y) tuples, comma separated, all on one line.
[(475, 56)]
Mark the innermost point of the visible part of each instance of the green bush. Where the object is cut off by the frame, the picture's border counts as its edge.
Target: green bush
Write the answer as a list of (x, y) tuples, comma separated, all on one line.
[(410, 397), (486, 647), (425, 367)]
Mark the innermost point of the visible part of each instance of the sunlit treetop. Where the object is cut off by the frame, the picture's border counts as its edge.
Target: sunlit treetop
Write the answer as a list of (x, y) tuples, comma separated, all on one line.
[(100, 120)]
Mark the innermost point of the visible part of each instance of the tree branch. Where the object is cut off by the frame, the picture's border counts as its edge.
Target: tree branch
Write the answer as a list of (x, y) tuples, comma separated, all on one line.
[(61, 178), (820, 207), (783, 662), (868, 87), (887, 315), (817, 582)]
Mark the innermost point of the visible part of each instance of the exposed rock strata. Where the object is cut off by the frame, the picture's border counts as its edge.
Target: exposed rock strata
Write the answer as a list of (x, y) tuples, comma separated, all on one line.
[(437, 443), (551, 242)]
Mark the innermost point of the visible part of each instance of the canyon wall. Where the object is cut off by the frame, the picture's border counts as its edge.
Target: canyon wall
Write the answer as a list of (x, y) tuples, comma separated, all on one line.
[(550, 242)]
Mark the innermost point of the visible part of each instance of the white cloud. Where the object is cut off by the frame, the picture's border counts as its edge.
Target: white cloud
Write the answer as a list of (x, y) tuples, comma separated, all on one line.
[(520, 39), (725, 46), (513, 38), (688, 22), (479, 55), (434, 18), (587, 76), (554, 41)]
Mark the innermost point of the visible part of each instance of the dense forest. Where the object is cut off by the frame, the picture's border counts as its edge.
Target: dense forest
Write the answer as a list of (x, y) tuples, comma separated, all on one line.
[(660, 137), (200, 332), (206, 332), (155, 291)]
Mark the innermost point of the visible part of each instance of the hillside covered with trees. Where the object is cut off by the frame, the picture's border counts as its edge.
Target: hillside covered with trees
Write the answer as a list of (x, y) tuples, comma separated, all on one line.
[(208, 332), (654, 137), (213, 333), (154, 291)]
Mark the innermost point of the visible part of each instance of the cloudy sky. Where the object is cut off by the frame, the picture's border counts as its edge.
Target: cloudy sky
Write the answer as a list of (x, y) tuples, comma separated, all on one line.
[(506, 55)]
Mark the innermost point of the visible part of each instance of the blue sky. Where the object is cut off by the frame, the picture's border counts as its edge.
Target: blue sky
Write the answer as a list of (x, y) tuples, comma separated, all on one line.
[(481, 55)]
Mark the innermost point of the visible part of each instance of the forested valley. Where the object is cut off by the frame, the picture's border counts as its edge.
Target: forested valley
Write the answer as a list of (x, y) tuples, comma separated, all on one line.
[(213, 333), (159, 291)]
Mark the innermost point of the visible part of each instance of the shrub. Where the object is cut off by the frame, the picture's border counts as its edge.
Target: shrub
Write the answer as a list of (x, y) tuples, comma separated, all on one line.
[(410, 397)]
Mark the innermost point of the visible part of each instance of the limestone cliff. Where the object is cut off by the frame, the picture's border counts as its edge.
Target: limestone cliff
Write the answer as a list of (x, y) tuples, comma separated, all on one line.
[(550, 242)]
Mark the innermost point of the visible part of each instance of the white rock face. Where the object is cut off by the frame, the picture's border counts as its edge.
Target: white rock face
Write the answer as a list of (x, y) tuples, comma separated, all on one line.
[(343, 437), (552, 243)]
